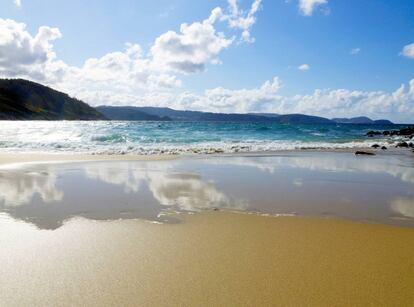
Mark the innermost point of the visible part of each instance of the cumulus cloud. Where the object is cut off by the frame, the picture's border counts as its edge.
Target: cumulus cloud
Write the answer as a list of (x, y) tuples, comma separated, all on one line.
[(190, 50), (129, 72), (22, 54), (134, 76), (307, 7), (397, 105), (408, 51), (304, 67), (240, 19), (199, 43), (226, 100)]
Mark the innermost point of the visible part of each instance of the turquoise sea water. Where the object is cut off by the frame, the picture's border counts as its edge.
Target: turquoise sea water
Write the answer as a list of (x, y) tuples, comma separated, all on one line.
[(121, 137)]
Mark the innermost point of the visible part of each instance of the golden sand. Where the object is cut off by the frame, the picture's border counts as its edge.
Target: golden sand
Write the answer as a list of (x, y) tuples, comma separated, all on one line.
[(211, 259)]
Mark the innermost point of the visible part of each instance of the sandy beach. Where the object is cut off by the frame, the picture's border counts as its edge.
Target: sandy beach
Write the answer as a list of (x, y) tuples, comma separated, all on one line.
[(206, 153), (216, 258), (200, 232)]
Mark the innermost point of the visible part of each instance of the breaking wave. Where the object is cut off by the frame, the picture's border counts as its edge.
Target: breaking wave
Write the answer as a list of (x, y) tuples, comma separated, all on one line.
[(149, 138)]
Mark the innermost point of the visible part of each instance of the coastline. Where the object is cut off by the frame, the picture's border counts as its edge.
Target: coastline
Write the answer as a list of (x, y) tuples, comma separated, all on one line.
[(45, 157)]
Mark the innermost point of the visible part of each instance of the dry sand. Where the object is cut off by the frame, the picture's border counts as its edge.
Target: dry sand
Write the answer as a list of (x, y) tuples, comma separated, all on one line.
[(211, 259)]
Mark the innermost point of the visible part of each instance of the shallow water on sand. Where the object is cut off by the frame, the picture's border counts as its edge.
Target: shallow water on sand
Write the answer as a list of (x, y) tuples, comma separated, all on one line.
[(378, 189)]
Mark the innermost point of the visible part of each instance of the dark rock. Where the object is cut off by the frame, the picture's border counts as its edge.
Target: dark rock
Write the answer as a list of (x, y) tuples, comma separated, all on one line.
[(375, 146), (372, 133), (384, 148), (402, 145), (411, 145), (407, 131), (364, 153)]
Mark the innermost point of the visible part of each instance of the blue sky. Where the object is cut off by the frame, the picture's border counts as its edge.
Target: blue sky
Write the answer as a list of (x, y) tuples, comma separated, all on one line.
[(353, 51)]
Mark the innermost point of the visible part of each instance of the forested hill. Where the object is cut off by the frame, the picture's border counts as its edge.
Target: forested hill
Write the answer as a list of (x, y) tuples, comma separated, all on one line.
[(25, 100)]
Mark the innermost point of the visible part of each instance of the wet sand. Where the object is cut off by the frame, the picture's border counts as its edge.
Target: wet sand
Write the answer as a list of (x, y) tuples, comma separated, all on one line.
[(375, 189), (87, 233), (212, 259)]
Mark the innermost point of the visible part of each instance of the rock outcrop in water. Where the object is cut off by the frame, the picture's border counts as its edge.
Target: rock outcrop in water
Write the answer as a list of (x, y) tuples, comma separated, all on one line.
[(399, 138), (366, 153), (402, 145), (407, 132), (25, 100)]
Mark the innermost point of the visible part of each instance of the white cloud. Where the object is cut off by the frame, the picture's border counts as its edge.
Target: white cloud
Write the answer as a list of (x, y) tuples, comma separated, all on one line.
[(355, 51), (22, 54), (307, 7), (304, 67), (130, 72), (408, 51), (137, 77), (18, 3), (190, 50), (397, 105), (240, 19)]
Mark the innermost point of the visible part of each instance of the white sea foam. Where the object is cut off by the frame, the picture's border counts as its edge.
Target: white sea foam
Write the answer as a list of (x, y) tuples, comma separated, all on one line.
[(176, 149)]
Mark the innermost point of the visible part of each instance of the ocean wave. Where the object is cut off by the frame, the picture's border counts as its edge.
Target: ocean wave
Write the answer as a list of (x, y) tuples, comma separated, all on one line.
[(176, 138), (180, 149)]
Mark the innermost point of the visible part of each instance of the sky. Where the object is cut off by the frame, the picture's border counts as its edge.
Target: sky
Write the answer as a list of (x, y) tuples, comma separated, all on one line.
[(332, 58)]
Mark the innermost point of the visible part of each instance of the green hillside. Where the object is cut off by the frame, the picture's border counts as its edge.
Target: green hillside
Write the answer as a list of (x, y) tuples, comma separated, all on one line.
[(25, 100)]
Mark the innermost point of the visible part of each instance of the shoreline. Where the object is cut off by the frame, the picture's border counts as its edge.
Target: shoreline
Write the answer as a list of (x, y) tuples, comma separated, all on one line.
[(21, 158), (44, 157)]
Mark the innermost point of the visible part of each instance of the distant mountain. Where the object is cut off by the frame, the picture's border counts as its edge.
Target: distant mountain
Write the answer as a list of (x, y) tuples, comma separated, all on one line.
[(266, 114), (177, 115), (302, 119), (128, 113), (362, 120), (25, 100)]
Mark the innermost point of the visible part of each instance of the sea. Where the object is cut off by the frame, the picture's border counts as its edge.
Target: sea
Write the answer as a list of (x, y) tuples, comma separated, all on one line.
[(172, 138)]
